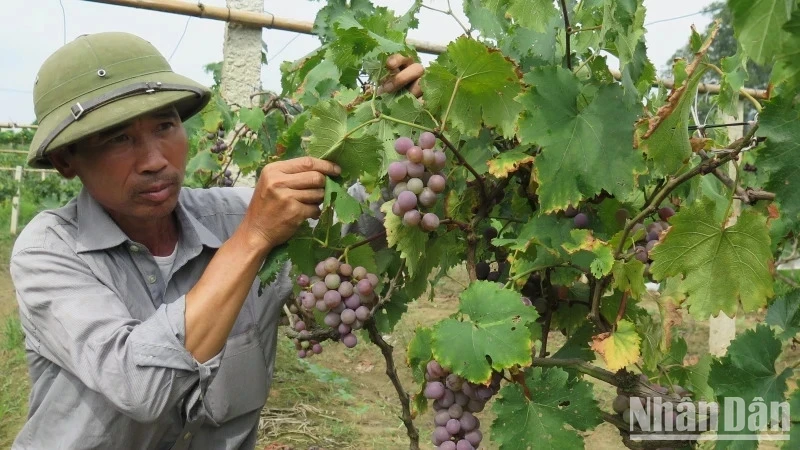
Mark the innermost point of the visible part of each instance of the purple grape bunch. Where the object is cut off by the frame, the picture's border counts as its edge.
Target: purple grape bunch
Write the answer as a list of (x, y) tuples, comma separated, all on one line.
[(417, 182), (653, 235), (345, 294), (455, 402), (664, 409)]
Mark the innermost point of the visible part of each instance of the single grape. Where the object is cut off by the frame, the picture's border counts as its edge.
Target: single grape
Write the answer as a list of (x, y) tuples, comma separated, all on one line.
[(665, 213), (440, 159), (448, 445), (367, 299), (436, 183), (397, 171), (302, 354), (303, 280), (357, 325), (441, 435), (435, 369), (427, 197), (414, 154), (441, 417), (319, 289), (345, 289), (427, 139), (345, 270), (464, 444), (397, 210), (484, 393), (399, 187), (474, 437), (650, 245), (652, 236), (620, 403), (581, 220), (332, 299), (640, 253), (456, 411), (299, 325), (468, 422), (462, 398), (434, 390), (319, 270), (305, 345), (293, 309), (359, 273), (453, 426), (314, 279), (412, 218), (655, 227), (415, 170), (364, 287), (454, 382), (469, 390), (353, 302), (332, 281), (344, 329), (332, 319), (415, 185), (430, 222), (448, 400), (307, 300), (348, 316), (526, 301), (338, 309), (349, 340), (331, 265), (407, 201), (482, 270), (321, 306), (373, 279), (362, 313), (316, 348), (402, 144), (428, 159), (475, 406)]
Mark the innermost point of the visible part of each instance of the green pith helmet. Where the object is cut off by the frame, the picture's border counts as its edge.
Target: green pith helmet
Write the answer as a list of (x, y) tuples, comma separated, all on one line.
[(102, 80)]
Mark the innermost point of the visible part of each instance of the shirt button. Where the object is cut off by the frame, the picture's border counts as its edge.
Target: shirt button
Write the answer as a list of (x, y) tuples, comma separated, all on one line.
[(151, 279), (187, 436), (134, 248)]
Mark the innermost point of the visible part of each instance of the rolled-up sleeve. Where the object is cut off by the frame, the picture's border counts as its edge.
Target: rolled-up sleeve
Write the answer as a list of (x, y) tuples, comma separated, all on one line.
[(71, 318)]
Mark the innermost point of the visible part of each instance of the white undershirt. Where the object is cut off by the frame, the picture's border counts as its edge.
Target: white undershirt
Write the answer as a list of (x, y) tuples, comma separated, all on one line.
[(165, 262)]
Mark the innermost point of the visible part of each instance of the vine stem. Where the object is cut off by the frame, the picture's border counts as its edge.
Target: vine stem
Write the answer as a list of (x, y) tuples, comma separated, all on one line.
[(450, 104), (733, 194), (391, 372), (579, 365), (403, 122), (463, 162), (568, 32)]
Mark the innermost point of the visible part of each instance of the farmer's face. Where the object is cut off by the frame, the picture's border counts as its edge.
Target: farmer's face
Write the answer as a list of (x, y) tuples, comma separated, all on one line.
[(134, 170)]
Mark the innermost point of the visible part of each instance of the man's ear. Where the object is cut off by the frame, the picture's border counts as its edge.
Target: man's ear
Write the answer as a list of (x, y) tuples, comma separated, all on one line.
[(63, 160)]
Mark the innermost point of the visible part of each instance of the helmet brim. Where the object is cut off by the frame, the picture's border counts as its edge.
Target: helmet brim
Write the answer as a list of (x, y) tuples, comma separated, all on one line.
[(114, 113)]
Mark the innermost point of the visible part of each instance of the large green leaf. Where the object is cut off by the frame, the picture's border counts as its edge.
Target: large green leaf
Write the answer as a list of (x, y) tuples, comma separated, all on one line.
[(485, 85), (748, 372), (411, 242), (784, 312), (495, 337), (583, 152), (331, 140), (559, 408), (533, 14), (781, 156), (757, 26), (722, 266)]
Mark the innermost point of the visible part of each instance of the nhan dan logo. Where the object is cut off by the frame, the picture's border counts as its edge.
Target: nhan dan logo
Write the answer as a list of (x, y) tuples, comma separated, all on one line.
[(735, 419)]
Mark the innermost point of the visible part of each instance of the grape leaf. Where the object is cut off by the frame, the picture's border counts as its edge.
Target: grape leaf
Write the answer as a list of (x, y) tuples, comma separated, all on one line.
[(203, 160), (603, 256), (485, 85), (757, 26), (629, 276), (619, 348), (794, 407), (496, 331), (418, 354), (411, 242), (275, 262), (347, 208), (247, 156), (785, 313), (533, 14), (748, 372), (331, 140), (781, 156), (583, 152), (487, 16), (508, 162), (735, 75), (252, 117), (721, 266), (541, 421)]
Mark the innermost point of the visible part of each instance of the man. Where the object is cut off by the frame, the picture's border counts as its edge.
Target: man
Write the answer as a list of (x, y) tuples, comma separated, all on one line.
[(144, 327)]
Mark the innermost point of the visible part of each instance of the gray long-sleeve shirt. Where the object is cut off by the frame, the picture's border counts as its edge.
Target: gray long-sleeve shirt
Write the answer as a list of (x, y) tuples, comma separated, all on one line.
[(104, 333)]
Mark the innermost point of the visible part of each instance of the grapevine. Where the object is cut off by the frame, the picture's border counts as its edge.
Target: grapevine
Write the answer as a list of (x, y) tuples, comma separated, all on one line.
[(587, 209)]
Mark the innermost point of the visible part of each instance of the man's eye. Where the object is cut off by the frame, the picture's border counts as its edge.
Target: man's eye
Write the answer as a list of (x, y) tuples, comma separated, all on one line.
[(119, 139), (165, 126)]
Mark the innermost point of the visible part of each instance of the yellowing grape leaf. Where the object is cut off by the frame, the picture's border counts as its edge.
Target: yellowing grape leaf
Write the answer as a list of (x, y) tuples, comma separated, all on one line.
[(582, 240), (331, 140), (508, 162), (559, 408), (619, 348), (582, 151), (495, 335), (721, 266), (485, 85)]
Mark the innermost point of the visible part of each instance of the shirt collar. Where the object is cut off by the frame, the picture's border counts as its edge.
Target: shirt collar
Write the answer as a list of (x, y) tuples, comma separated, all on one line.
[(98, 231)]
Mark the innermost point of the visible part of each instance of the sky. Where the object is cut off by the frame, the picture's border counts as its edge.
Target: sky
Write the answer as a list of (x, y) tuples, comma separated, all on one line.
[(34, 29)]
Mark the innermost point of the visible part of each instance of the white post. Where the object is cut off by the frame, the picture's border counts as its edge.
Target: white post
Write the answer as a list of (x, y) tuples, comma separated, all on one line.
[(722, 329), (15, 201), (241, 67)]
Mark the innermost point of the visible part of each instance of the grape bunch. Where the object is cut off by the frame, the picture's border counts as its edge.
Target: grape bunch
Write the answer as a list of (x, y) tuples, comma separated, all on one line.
[(653, 231), (227, 180), (343, 293), (219, 144), (661, 418), (455, 402), (417, 181)]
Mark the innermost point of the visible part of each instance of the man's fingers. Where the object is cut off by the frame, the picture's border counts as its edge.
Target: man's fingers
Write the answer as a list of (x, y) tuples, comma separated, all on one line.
[(310, 196), (309, 164), (310, 211), (415, 89), (398, 61), (304, 180), (406, 76)]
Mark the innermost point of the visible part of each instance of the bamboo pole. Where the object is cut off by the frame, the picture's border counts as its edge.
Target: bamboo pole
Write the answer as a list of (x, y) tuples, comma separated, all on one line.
[(16, 125), (20, 152), (271, 21)]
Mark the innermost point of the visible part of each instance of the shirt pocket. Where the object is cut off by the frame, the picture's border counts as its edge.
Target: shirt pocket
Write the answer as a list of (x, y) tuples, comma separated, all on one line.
[(240, 385)]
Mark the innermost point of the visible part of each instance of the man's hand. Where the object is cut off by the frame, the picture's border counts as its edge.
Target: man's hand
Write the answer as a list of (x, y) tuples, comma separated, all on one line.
[(287, 194), (404, 72)]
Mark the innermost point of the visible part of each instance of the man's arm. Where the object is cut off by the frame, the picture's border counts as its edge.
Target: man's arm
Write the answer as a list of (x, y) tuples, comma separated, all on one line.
[(286, 195)]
